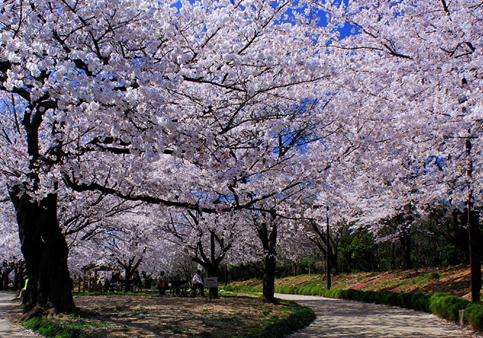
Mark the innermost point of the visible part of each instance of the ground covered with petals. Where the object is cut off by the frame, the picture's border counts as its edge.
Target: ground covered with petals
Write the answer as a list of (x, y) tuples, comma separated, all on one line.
[(149, 315)]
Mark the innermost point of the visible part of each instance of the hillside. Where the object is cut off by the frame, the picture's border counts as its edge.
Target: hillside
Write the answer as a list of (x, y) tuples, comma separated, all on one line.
[(453, 280)]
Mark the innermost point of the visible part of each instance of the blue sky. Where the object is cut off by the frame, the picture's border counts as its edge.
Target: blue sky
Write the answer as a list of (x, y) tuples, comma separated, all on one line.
[(318, 15)]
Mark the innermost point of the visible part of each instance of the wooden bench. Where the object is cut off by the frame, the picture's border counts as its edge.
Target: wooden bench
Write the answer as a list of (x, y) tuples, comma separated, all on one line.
[(178, 288)]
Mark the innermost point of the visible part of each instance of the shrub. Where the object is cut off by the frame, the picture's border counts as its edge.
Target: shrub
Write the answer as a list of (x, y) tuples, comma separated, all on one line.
[(419, 301), (447, 306), (382, 298), (443, 305), (299, 317), (474, 316), (345, 294), (369, 296), (334, 293)]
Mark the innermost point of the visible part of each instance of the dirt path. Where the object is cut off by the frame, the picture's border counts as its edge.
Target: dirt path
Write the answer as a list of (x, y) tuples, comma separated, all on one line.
[(342, 318), (9, 309)]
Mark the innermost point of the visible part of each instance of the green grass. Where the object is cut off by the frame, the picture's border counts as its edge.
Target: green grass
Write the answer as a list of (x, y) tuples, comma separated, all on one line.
[(297, 318), (62, 329), (242, 289), (450, 280), (419, 281), (228, 293)]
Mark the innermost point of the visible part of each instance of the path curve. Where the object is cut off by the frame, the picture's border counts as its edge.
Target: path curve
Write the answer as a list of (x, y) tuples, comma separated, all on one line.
[(9, 309), (343, 318)]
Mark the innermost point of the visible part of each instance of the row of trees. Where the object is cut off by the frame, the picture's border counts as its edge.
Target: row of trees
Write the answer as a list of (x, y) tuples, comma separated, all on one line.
[(439, 239), (230, 130)]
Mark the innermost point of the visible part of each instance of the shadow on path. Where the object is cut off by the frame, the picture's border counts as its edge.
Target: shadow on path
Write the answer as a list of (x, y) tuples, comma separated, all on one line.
[(10, 309), (342, 318)]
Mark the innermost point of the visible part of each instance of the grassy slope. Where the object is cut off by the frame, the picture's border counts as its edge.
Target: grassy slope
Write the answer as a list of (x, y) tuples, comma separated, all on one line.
[(451, 280), (439, 291)]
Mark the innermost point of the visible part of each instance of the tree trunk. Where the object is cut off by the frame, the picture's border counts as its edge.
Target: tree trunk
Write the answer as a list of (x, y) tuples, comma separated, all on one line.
[(268, 238), (393, 256), (19, 278), (328, 262), (45, 253), (406, 246), (213, 272), (475, 254), (4, 280), (335, 261), (474, 235), (127, 280), (4, 276), (269, 278)]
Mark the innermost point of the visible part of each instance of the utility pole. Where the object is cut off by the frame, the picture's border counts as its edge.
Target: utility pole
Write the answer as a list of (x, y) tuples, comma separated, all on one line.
[(327, 256)]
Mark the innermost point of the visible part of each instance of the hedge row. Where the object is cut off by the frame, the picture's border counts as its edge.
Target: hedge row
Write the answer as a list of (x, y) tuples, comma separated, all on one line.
[(474, 316), (299, 318), (443, 305)]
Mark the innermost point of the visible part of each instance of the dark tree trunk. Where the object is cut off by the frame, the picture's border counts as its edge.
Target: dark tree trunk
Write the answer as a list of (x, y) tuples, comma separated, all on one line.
[(475, 255), (406, 247), (130, 267), (127, 280), (19, 276), (212, 271), (4, 280), (45, 253), (267, 233), (393, 256), (334, 260), (328, 261), (214, 266), (4, 275), (269, 278), (474, 235)]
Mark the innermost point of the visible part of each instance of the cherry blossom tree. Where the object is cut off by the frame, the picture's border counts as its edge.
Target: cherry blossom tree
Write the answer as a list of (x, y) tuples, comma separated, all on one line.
[(222, 110), (206, 238), (413, 66), (130, 242), (93, 93)]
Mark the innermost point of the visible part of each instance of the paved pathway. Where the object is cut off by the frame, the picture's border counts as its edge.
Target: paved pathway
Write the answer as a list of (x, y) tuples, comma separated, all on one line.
[(342, 318), (9, 309), (335, 318)]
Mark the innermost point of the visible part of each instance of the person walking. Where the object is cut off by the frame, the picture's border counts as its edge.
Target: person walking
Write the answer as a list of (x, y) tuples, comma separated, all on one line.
[(162, 284), (197, 284)]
